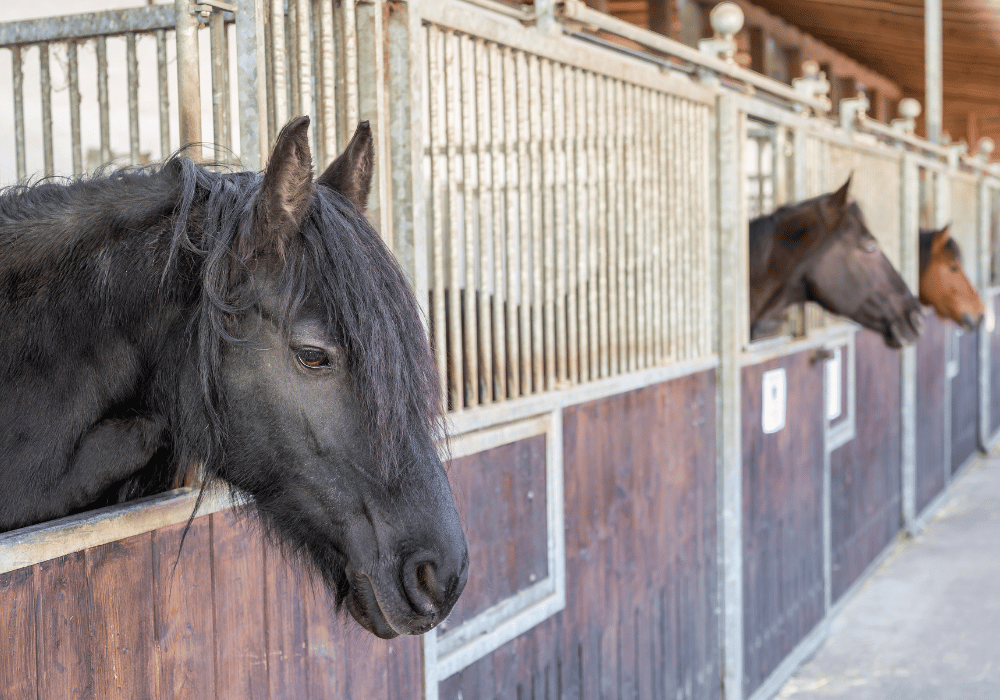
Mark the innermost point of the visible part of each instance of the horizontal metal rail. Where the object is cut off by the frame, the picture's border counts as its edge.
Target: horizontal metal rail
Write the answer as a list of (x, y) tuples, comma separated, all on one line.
[(575, 11), (83, 26)]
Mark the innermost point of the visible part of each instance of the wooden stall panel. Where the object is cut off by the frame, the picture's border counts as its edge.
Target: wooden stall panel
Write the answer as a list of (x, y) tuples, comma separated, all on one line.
[(782, 516), (965, 399), (641, 617), (865, 473), (931, 379), (65, 650), (18, 605), (995, 368), (500, 495)]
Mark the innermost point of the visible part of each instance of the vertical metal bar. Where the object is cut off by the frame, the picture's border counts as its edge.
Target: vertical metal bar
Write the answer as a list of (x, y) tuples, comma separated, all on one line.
[(292, 52), (548, 193), (279, 67), (601, 261), (350, 44), (452, 89), (537, 217), (102, 98), (707, 272), (162, 85), (524, 187), (303, 42), (932, 69), (687, 239), (74, 107), (220, 87), (648, 217), (20, 156), (251, 85), (909, 231), (730, 292), (575, 204), (495, 85), (439, 175), (512, 196), (485, 196), (985, 333), (655, 125), (327, 49), (662, 128), (465, 92), (616, 180), (188, 77), (675, 163), (372, 106), (591, 341), (133, 98), (629, 181), (46, 89)]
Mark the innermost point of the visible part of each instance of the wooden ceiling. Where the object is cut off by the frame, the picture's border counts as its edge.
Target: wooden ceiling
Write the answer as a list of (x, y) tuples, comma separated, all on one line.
[(888, 36)]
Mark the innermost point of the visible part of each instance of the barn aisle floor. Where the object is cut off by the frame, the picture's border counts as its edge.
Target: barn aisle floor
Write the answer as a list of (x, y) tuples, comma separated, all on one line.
[(926, 625)]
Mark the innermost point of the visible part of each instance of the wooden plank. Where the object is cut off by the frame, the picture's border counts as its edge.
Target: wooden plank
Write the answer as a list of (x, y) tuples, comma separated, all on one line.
[(120, 575), (866, 472), (285, 612), (930, 457), (65, 650), (182, 604), (326, 637), (19, 606), (238, 580)]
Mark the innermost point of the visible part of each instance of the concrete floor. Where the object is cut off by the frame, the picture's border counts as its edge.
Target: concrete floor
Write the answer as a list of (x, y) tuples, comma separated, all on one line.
[(926, 625)]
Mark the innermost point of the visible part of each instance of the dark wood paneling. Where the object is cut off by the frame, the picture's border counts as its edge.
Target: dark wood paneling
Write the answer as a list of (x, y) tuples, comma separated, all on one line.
[(18, 606), (285, 613), (326, 636), (865, 474), (65, 649), (995, 370), (500, 495), (121, 580), (641, 612), (782, 517), (965, 401), (238, 585), (931, 379)]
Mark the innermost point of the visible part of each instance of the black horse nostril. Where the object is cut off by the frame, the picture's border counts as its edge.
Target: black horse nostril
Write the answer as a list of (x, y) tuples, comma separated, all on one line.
[(430, 587)]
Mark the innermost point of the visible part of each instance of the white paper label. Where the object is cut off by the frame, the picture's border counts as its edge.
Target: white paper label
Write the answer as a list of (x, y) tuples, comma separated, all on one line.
[(833, 368), (773, 414)]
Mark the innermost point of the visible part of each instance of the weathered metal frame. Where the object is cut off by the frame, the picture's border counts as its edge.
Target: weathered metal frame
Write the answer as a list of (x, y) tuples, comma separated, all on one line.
[(448, 653)]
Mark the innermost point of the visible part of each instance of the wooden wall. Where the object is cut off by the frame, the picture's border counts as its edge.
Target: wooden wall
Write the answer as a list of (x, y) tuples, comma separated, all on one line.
[(965, 400), (231, 622), (783, 592), (865, 473), (641, 617), (931, 444)]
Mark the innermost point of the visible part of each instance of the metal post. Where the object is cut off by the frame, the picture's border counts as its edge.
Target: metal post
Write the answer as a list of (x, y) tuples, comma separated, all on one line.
[(985, 258), (730, 305), (250, 83), (910, 225), (932, 69), (188, 77)]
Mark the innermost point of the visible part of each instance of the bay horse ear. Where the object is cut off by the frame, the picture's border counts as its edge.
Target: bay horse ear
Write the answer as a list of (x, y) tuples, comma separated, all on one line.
[(351, 172), (941, 238), (286, 190)]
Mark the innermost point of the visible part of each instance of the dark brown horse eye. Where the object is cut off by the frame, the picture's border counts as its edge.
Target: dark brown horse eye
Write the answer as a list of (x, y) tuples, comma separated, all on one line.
[(312, 358)]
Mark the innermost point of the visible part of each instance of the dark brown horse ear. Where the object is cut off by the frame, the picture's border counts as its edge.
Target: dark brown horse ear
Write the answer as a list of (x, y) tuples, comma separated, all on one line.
[(832, 205), (838, 200), (285, 192), (351, 172)]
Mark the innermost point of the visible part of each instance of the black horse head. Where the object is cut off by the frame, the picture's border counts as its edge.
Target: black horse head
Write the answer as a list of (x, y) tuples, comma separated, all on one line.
[(256, 324), (821, 250)]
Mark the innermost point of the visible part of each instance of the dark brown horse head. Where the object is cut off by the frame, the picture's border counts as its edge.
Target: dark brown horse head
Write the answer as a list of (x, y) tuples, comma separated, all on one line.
[(821, 250), (943, 283)]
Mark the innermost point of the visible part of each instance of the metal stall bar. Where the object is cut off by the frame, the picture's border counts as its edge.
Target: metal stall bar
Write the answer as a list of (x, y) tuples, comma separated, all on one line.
[(164, 90), (74, 106), (133, 98), (466, 136), (222, 135), (303, 41), (188, 77), (439, 175), (278, 83), (501, 358), (18, 72), (483, 194), (909, 269), (326, 83), (512, 193), (455, 251), (102, 98), (46, 86), (251, 87)]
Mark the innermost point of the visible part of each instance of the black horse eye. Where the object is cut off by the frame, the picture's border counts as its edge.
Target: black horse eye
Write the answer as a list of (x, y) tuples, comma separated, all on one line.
[(954, 268), (312, 358)]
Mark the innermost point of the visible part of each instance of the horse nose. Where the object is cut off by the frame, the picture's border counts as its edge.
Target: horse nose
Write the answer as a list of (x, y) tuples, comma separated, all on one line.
[(433, 584), (971, 321)]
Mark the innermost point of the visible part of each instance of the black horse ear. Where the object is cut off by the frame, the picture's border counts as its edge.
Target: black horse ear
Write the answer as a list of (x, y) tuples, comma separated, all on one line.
[(286, 191), (351, 172), (838, 199)]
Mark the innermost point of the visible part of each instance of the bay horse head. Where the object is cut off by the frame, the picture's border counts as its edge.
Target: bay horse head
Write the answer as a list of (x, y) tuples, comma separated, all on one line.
[(943, 283), (821, 250), (256, 324)]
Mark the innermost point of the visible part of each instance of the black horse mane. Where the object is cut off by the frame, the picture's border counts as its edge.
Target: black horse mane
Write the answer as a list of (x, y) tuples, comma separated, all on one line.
[(926, 242), (197, 221)]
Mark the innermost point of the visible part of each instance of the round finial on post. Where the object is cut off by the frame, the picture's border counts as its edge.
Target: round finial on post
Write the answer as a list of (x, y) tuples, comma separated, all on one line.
[(909, 108), (810, 69), (726, 19), (985, 147)]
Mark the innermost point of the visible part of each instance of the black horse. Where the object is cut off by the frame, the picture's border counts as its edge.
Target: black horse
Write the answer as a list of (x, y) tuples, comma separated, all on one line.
[(163, 316), (821, 250)]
